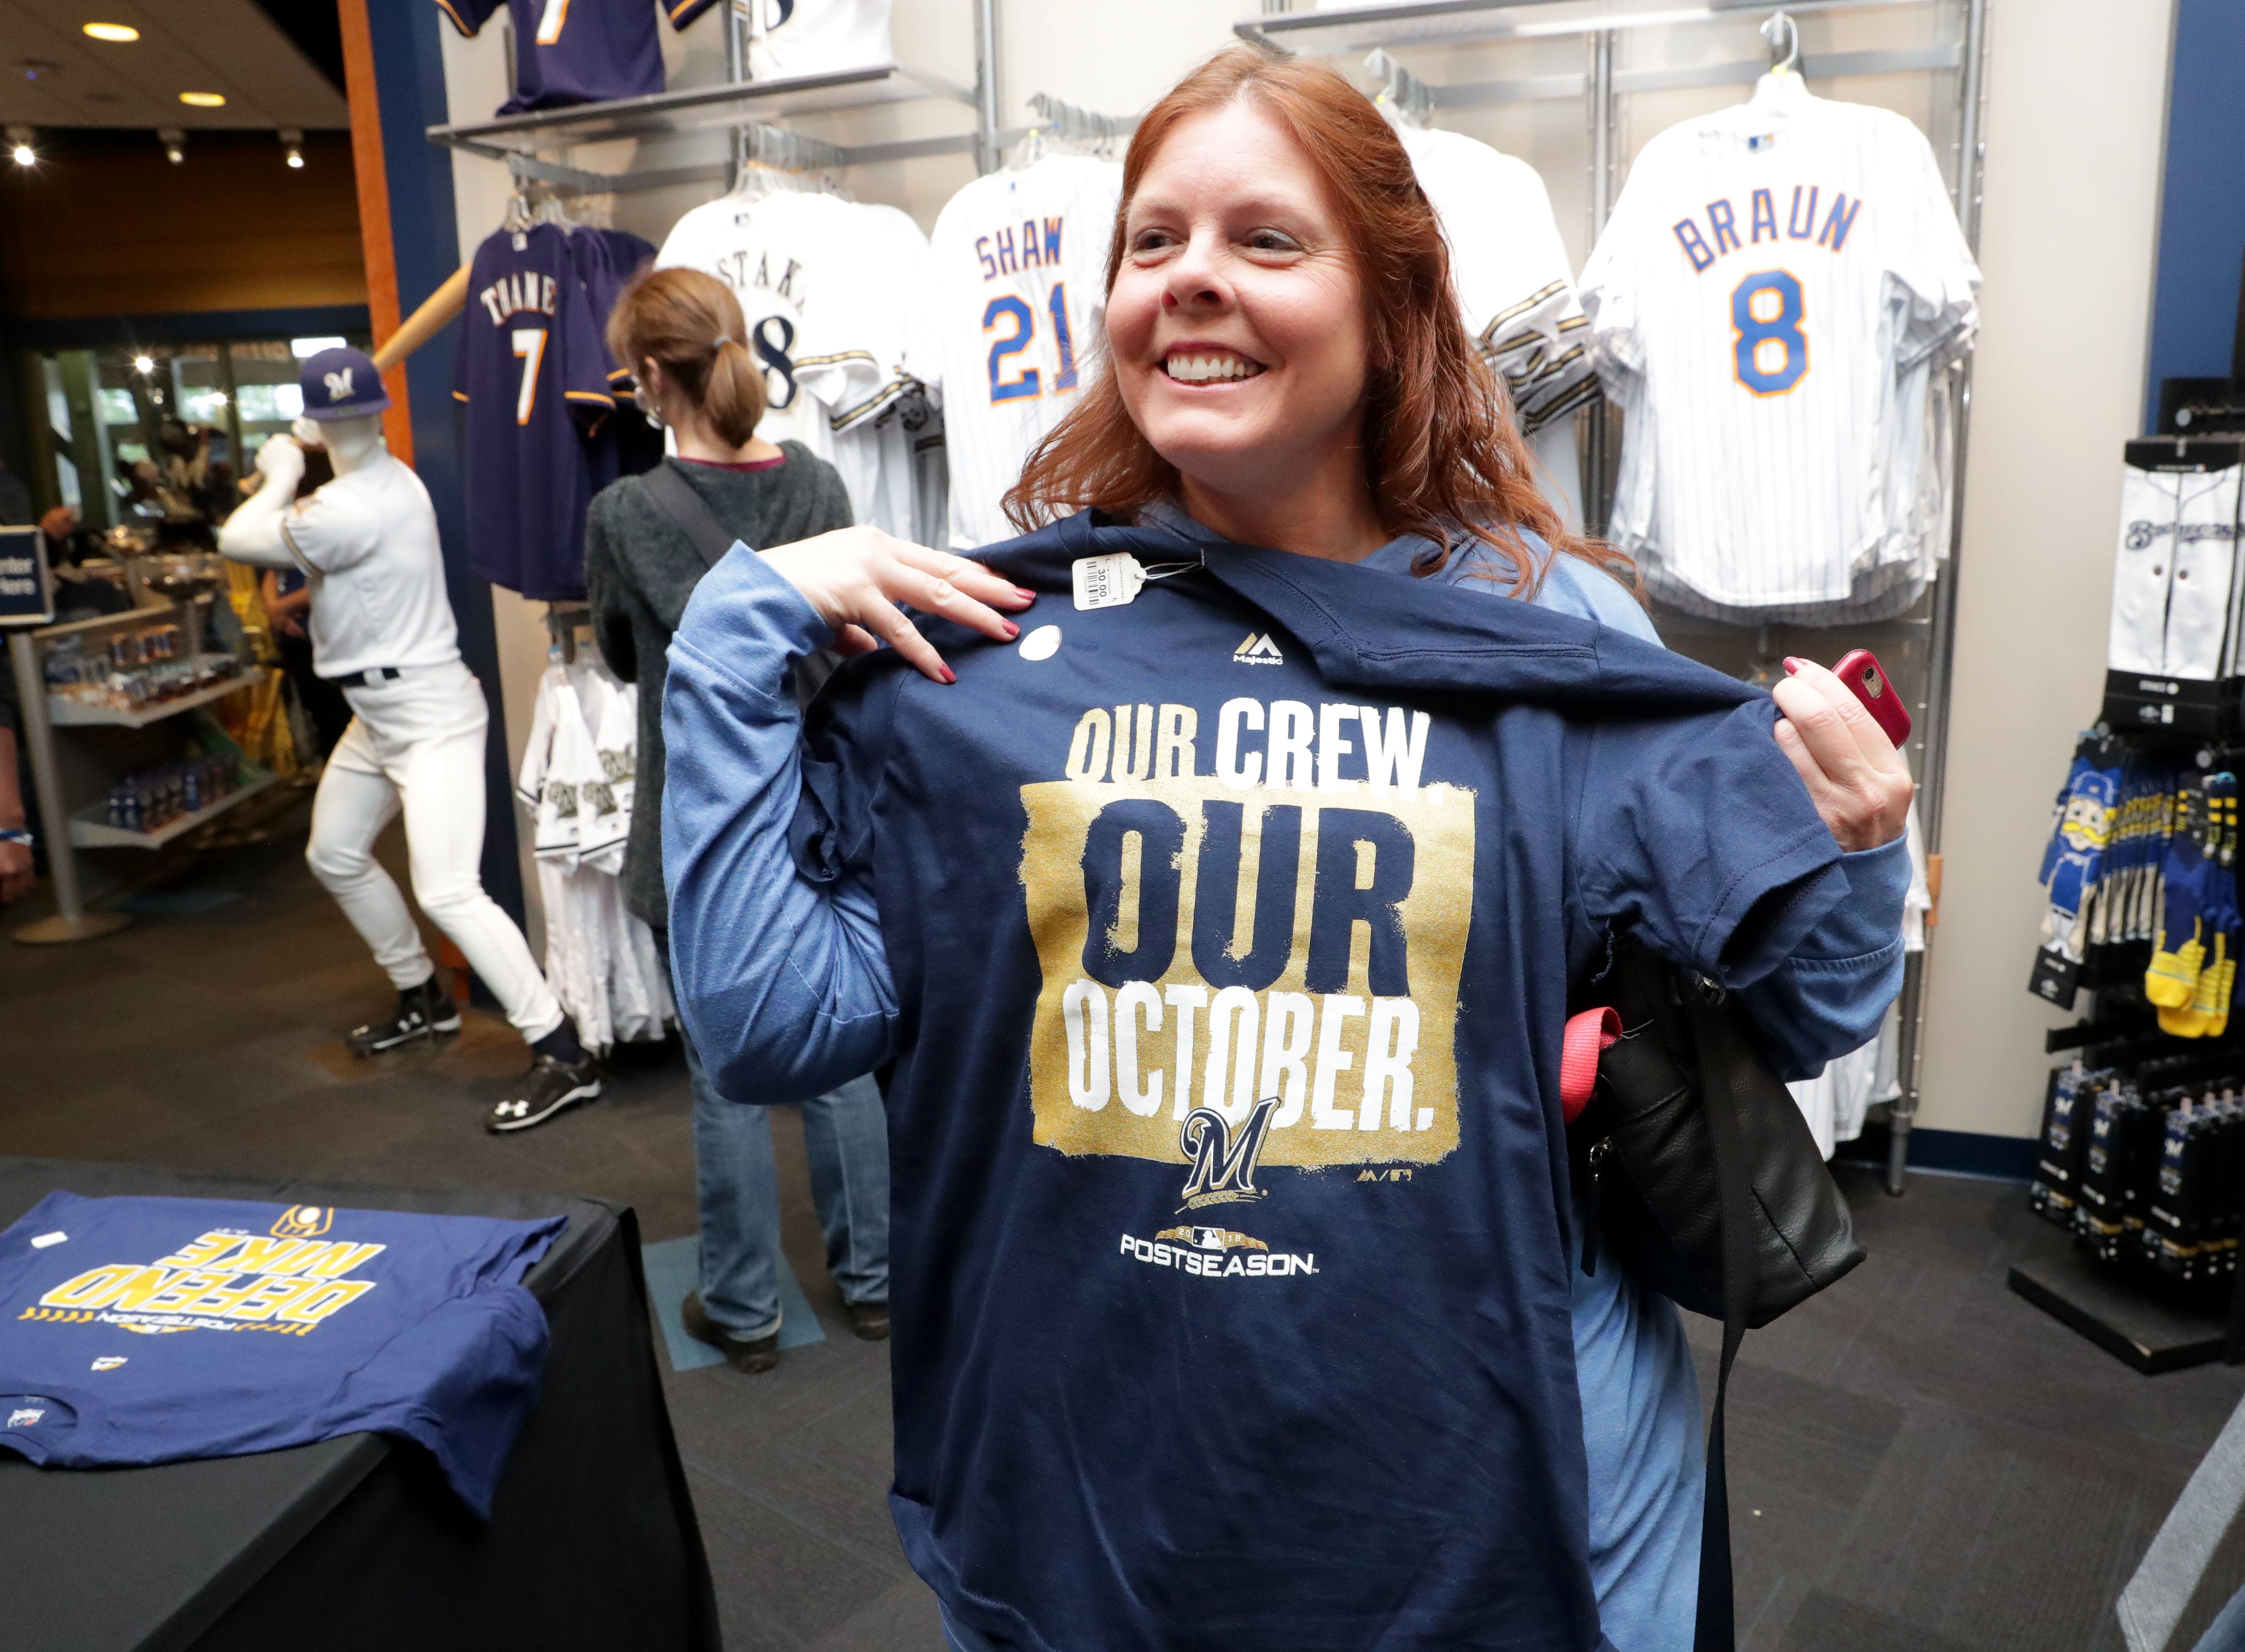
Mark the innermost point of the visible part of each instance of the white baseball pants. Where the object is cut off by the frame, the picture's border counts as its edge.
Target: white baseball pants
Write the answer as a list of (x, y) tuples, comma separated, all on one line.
[(417, 744)]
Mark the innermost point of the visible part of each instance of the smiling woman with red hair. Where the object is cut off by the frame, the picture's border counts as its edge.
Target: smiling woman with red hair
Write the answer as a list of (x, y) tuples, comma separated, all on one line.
[(1235, 1304)]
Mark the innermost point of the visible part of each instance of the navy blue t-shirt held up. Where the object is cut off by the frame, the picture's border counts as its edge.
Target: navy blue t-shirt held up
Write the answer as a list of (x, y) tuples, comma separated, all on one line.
[(1223, 947)]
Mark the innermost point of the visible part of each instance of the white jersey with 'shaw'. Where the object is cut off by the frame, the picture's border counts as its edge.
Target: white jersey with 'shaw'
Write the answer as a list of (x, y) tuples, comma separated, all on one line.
[(822, 283), (1758, 302), (1511, 269), (1010, 321)]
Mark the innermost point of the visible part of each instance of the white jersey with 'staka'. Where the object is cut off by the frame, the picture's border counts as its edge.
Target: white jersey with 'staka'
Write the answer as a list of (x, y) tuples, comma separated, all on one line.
[(1011, 321), (1509, 266), (824, 301), (1758, 303)]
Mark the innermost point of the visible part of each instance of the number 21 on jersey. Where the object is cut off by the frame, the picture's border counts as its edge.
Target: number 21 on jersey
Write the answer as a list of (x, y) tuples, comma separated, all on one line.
[(1025, 383), (1769, 353)]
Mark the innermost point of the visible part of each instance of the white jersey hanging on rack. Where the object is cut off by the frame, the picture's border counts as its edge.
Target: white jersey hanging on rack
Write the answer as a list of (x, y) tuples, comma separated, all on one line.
[(797, 38), (1516, 291), (1011, 316), (1766, 304), (1835, 1102), (1515, 285), (824, 284), (875, 455), (576, 784)]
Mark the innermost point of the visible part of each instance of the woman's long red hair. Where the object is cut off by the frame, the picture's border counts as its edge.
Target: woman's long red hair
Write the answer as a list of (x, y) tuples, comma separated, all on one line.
[(1441, 452)]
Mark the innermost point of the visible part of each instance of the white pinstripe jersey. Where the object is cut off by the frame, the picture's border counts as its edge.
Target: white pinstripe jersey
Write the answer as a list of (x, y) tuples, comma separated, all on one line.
[(1012, 318), (1510, 270), (1762, 304), (823, 298)]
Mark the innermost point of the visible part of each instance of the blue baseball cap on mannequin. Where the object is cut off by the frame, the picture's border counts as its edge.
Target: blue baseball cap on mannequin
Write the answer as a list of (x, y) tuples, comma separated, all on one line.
[(341, 383)]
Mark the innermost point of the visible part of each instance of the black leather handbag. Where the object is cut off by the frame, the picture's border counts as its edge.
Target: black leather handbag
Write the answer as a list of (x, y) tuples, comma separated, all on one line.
[(1706, 1183)]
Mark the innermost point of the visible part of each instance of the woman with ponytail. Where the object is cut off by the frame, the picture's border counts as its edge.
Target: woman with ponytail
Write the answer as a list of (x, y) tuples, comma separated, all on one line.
[(680, 333)]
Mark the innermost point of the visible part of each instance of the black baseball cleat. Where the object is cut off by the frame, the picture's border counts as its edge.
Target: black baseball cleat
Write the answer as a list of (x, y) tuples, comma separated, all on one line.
[(422, 1012), (550, 1086)]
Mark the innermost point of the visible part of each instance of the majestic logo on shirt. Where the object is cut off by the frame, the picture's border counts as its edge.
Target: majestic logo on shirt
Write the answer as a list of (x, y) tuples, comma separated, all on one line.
[(23, 1418), (109, 1361), (1251, 955), (1258, 650), (1223, 1161), (223, 1280), (339, 385)]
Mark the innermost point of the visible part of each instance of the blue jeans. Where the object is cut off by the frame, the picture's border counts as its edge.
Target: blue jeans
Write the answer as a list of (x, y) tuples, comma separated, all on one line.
[(737, 1182)]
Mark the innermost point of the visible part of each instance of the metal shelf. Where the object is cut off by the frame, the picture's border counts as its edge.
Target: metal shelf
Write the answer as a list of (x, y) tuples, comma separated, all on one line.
[(77, 714), (89, 831), (700, 108), (1452, 22), (1830, 65)]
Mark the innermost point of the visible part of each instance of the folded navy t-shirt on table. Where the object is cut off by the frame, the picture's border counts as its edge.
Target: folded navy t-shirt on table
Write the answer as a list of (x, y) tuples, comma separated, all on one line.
[(142, 1330)]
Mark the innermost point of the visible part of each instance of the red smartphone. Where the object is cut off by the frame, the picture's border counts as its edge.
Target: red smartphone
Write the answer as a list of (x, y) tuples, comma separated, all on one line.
[(1859, 669)]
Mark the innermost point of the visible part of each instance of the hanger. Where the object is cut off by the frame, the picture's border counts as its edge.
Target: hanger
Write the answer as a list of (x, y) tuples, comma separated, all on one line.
[(1781, 91), (1403, 98), (772, 160), (1068, 130)]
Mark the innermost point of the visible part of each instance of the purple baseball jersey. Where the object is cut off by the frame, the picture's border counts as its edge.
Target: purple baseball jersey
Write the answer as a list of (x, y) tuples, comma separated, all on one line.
[(533, 374), (571, 51)]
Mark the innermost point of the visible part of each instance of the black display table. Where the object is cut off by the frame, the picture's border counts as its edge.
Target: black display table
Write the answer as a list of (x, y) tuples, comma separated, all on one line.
[(357, 1542)]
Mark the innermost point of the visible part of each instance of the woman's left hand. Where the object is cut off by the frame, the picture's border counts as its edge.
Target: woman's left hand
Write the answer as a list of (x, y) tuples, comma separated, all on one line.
[(1856, 777)]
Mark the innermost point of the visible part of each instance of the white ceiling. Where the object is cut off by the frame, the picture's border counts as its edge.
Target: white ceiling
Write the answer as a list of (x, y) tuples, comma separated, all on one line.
[(226, 46)]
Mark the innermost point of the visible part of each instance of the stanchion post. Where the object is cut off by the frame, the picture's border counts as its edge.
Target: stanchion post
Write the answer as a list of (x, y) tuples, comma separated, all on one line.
[(72, 921)]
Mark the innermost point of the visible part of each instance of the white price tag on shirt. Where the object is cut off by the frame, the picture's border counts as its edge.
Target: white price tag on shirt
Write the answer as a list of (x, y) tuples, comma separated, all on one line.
[(1107, 581)]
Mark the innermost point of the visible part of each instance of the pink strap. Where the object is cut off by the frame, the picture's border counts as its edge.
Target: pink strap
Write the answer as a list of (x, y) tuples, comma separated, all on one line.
[(1587, 1037)]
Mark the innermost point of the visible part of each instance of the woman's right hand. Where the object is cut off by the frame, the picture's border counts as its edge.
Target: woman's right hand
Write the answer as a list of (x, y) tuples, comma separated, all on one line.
[(856, 577)]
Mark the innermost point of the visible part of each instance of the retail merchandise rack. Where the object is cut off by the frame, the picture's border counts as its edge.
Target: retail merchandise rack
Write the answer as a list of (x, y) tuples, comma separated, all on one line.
[(1918, 647)]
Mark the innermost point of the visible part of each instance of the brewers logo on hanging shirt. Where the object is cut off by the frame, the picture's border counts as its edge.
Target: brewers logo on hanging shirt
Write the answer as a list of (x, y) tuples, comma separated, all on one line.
[(1227, 931), (1010, 321), (1759, 301), (533, 373), (152, 1330)]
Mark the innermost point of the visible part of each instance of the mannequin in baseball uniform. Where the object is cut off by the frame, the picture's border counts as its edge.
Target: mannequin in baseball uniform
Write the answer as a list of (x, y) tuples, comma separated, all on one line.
[(381, 626)]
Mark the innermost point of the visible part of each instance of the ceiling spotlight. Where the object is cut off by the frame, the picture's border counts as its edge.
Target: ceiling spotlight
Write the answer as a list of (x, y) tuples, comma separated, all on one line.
[(19, 146), (119, 33), (174, 142), (294, 141), (144, 365), (203, 99)]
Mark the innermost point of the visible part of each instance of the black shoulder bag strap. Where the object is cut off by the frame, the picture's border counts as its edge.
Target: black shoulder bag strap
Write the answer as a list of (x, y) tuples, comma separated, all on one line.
[(1718, 1058), (712, 540), (691, 511)]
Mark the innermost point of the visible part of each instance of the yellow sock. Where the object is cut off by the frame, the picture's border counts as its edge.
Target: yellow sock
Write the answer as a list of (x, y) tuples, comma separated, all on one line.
[(2171, 981), (2214, 983)]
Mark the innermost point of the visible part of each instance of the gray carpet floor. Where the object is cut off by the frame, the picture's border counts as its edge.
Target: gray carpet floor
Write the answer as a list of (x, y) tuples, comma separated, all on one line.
[(1920, 1459)]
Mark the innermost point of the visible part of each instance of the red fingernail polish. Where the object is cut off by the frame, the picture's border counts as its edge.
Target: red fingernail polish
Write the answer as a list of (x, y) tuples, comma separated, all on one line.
[(1011, 631), (1025, 594), (1791, 665), (949, 676)]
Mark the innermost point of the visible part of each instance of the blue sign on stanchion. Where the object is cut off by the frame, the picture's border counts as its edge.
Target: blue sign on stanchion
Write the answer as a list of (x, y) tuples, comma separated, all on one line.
[(27, 589)]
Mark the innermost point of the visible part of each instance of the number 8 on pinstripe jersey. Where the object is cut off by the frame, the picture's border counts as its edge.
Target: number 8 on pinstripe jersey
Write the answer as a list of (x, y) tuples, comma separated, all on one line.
[(1752, 333)]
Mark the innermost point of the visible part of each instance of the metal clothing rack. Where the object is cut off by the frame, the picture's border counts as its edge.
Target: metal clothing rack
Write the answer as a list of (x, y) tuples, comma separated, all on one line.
[(1601, 85), (737, 104)]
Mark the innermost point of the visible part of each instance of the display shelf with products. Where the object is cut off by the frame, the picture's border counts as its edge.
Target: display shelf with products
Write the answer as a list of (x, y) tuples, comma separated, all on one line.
[(90, 828)]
